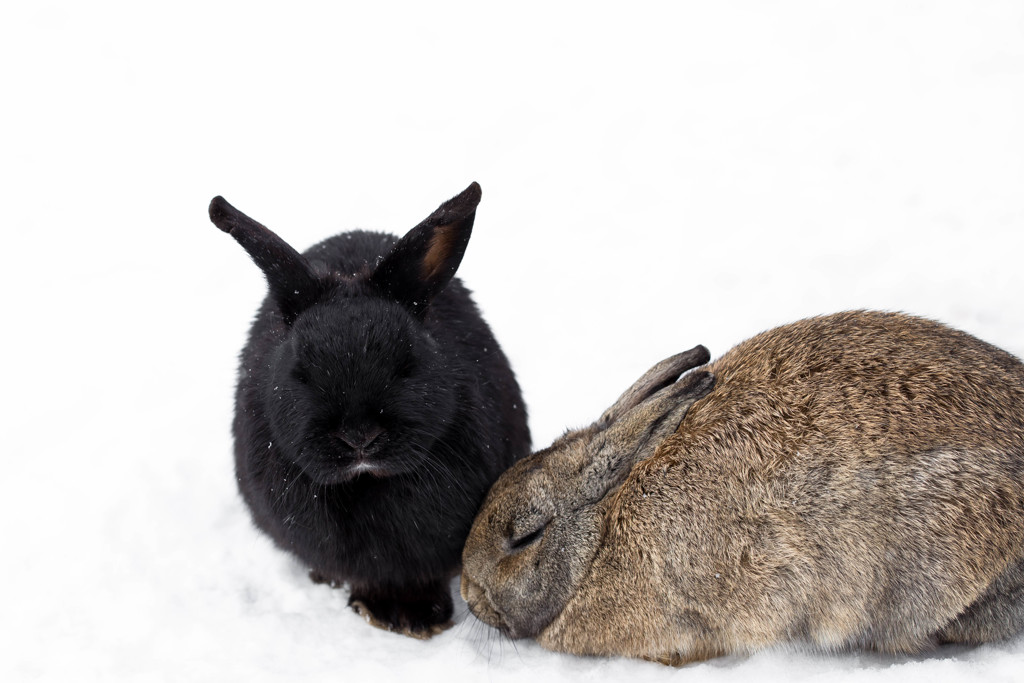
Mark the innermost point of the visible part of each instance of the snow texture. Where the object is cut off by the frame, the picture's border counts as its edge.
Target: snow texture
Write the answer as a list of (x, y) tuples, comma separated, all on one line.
[(655, 175)]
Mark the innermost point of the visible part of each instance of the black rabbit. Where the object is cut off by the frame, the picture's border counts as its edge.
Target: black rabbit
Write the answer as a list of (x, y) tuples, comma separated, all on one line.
[(374, 409)]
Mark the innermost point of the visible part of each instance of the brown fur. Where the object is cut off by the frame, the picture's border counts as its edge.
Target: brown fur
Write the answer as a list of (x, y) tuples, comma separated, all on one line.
[(852, 481), (442, 244)]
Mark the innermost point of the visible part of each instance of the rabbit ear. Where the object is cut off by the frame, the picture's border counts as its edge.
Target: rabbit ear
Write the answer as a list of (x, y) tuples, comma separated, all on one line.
[(661, 375), (637, 433), (292, 282), (423, 262)]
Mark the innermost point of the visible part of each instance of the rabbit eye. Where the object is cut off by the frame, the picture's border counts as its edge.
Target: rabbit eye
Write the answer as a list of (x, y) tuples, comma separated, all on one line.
[(520, 542)]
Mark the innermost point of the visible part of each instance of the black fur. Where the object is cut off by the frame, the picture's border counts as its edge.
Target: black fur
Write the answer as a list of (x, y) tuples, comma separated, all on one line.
[(374, 409)]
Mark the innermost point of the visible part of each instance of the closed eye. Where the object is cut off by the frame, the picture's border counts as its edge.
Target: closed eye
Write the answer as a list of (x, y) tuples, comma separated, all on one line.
[(521, 542)]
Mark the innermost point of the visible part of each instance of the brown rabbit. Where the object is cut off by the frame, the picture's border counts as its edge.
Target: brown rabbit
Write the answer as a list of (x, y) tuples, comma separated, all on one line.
[(852, 481)]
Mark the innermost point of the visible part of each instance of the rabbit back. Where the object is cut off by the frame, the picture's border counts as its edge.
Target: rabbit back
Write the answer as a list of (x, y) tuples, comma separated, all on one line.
[(854, 480)]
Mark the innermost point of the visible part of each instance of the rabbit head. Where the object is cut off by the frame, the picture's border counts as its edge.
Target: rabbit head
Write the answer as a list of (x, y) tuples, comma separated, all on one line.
[(354, 384), (542, 522)]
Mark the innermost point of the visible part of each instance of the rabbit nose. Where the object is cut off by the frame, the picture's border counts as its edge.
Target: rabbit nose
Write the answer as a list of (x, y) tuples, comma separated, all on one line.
[(360, 439)]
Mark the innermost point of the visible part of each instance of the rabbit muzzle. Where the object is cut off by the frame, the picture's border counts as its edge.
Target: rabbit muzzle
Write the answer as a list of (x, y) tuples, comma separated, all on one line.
[(482, 607)]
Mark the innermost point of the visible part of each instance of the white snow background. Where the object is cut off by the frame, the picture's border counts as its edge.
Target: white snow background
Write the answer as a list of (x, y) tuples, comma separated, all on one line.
[(655, 175)]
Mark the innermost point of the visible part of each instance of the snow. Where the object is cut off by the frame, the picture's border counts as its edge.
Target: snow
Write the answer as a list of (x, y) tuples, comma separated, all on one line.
[(654, 177)]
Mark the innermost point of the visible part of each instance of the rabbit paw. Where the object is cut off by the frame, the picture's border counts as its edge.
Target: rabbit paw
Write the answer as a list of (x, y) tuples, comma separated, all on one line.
[(423, 615), (681, 659), (317, 577)]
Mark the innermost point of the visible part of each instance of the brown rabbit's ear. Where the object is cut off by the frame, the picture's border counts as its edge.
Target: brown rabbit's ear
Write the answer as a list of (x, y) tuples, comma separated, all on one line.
[(293, 284), (423, 262), (635, 435), (661, 375)]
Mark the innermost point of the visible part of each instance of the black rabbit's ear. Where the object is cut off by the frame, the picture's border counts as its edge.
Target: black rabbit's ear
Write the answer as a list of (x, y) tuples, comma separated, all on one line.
[(423, 262), (293, 284)]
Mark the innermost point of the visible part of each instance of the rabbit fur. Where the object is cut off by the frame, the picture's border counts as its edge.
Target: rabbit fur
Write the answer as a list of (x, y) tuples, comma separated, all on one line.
[(374, 409), (850, 481)]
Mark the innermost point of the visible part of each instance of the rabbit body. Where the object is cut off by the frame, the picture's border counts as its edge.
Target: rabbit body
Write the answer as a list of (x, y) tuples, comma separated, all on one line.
[(371, 417), (852, 481)]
